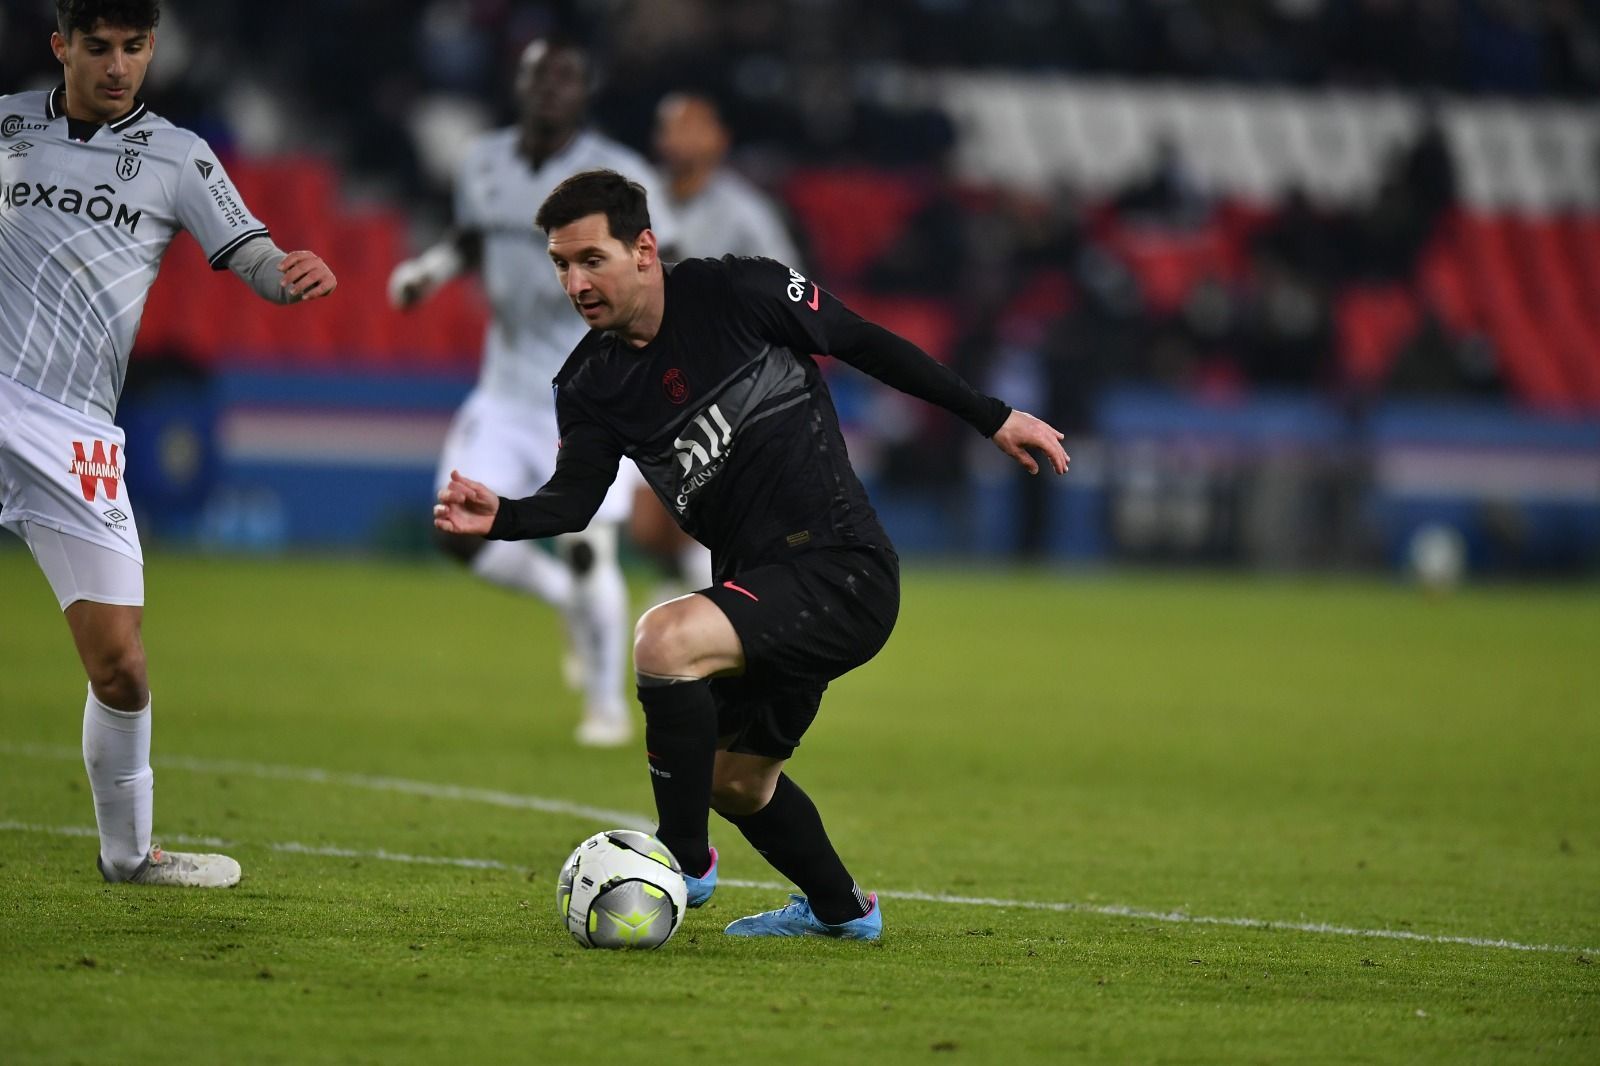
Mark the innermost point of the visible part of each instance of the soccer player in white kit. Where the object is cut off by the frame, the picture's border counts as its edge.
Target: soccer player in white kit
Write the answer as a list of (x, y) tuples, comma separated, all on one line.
[(93, 186), (506, 430)]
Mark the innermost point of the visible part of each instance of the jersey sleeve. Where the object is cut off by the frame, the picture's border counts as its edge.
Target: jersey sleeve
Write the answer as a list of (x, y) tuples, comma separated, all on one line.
[(783, 306), (586, 465), (786, 308), (210, 208)]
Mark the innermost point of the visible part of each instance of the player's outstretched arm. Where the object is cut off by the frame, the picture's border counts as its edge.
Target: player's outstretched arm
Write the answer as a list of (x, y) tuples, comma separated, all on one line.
[(306, 277), (1021, 431), (414, 280), (465, 506)]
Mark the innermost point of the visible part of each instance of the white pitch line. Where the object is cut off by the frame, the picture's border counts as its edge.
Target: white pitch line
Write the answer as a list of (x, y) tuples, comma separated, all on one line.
[(637, 821)]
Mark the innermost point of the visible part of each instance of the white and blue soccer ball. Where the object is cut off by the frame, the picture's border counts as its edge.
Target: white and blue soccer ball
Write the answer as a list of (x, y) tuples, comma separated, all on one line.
[(621, 889)]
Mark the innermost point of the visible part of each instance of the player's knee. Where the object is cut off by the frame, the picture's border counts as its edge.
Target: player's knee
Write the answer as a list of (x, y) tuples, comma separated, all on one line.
[(118, 675), (739, 796), (663, 642), (580, 557), (463, 549)]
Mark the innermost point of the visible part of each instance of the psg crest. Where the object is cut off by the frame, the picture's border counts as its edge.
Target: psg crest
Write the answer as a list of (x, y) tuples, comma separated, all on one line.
[(676, 384), (128, 165)]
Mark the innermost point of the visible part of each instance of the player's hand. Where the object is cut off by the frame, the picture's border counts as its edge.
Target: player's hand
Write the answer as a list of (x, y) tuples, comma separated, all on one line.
[(465, 506), (1021, 432), (306, 277), (410, 283)]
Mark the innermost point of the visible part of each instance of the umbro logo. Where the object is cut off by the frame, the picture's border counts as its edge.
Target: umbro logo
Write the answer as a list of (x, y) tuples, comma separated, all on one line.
[(204, 168), (115, 518), (20, 149)]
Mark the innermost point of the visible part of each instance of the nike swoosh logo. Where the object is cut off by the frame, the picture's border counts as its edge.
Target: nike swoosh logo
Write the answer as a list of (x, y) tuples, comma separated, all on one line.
[(816, 295)]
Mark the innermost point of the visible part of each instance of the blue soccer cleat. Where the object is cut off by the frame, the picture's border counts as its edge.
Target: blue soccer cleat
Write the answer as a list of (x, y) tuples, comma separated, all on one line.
[(797, 920), (700, 888)]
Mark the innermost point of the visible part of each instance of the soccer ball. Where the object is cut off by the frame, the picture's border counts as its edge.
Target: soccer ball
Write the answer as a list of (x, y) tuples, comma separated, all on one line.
[(621, 889)]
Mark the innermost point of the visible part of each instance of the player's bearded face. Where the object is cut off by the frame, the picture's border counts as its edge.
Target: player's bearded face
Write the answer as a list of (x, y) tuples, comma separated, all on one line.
[(602, 275), (104, 68)]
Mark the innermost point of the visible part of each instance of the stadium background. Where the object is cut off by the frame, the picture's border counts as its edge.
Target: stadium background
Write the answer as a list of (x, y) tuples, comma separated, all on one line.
[(1120, 813), (1300, 278)]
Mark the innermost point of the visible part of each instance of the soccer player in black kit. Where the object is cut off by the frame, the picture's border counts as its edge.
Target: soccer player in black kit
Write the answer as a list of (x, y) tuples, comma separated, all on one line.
[(701, 372)]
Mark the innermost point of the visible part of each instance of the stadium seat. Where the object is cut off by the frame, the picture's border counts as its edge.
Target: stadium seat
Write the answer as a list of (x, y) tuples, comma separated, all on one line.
[(851, 216), (1169, 263), (1373, 322), (928, 323)]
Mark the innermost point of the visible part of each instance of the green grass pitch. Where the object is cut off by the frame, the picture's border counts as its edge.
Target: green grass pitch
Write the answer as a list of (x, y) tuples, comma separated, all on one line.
[(1286, 752)]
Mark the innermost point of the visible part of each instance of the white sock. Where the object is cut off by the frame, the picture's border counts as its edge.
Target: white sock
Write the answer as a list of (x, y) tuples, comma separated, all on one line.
[(695, 563), (116, 752), (599, 620), (520, 566)]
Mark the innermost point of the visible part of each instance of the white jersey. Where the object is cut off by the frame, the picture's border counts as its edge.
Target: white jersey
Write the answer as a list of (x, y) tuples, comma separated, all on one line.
[(533, 326), (83, 227), (730, 216)]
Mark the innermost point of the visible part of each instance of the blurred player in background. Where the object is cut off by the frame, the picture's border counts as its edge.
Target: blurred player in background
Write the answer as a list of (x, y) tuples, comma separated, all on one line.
[(93, 186), (717, 213), (701, 372), (507, 427)]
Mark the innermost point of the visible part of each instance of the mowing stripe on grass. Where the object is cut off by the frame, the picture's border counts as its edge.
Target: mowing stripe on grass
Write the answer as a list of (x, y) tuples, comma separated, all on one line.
[(638, 821), (290, 846), (313, 775)]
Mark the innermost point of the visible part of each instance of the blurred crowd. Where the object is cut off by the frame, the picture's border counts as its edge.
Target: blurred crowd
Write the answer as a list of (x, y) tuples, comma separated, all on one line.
[(1033, 286)]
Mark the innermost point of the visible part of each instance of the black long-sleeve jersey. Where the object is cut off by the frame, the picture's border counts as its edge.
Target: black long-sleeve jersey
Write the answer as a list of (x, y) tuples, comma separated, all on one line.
[(728, 418)]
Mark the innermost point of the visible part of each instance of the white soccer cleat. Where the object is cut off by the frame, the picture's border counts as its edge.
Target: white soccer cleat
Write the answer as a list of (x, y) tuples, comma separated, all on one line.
[(184, 869), (603, 731)]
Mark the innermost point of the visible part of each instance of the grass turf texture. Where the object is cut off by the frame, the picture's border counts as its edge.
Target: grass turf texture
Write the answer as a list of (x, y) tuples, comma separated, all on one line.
[(1352, 753)]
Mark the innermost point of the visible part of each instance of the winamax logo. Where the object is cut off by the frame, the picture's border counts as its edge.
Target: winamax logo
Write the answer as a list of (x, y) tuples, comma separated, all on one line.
[(93, 469)]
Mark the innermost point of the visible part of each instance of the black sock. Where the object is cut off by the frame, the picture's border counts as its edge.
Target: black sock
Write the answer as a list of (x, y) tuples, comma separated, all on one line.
[(788, 833), (680, 737)]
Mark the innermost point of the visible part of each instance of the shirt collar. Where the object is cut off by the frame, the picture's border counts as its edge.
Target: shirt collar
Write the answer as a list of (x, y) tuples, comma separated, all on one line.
[(56, 106)]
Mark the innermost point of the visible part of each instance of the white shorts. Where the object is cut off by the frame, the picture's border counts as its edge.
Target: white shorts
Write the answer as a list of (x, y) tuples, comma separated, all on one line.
[(511, 447), (61, 490)]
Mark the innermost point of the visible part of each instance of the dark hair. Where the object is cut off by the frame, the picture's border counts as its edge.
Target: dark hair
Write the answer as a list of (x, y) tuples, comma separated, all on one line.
[(597, 192), (83, 15)]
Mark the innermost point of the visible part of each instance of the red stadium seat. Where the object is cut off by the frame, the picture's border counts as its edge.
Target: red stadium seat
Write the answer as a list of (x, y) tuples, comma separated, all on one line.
[(1373, 323), (851, 216), (928, 323), (1170, 263), (1443, 282)]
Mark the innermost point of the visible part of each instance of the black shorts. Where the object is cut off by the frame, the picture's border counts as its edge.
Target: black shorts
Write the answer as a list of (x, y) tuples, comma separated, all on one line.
[(802, 624)]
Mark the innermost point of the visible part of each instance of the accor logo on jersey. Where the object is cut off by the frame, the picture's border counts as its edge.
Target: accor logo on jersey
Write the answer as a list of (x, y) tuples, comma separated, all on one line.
[(139, 137), (676, 384), (99, 207), (12, 125), (702, 452), (93, 469)]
